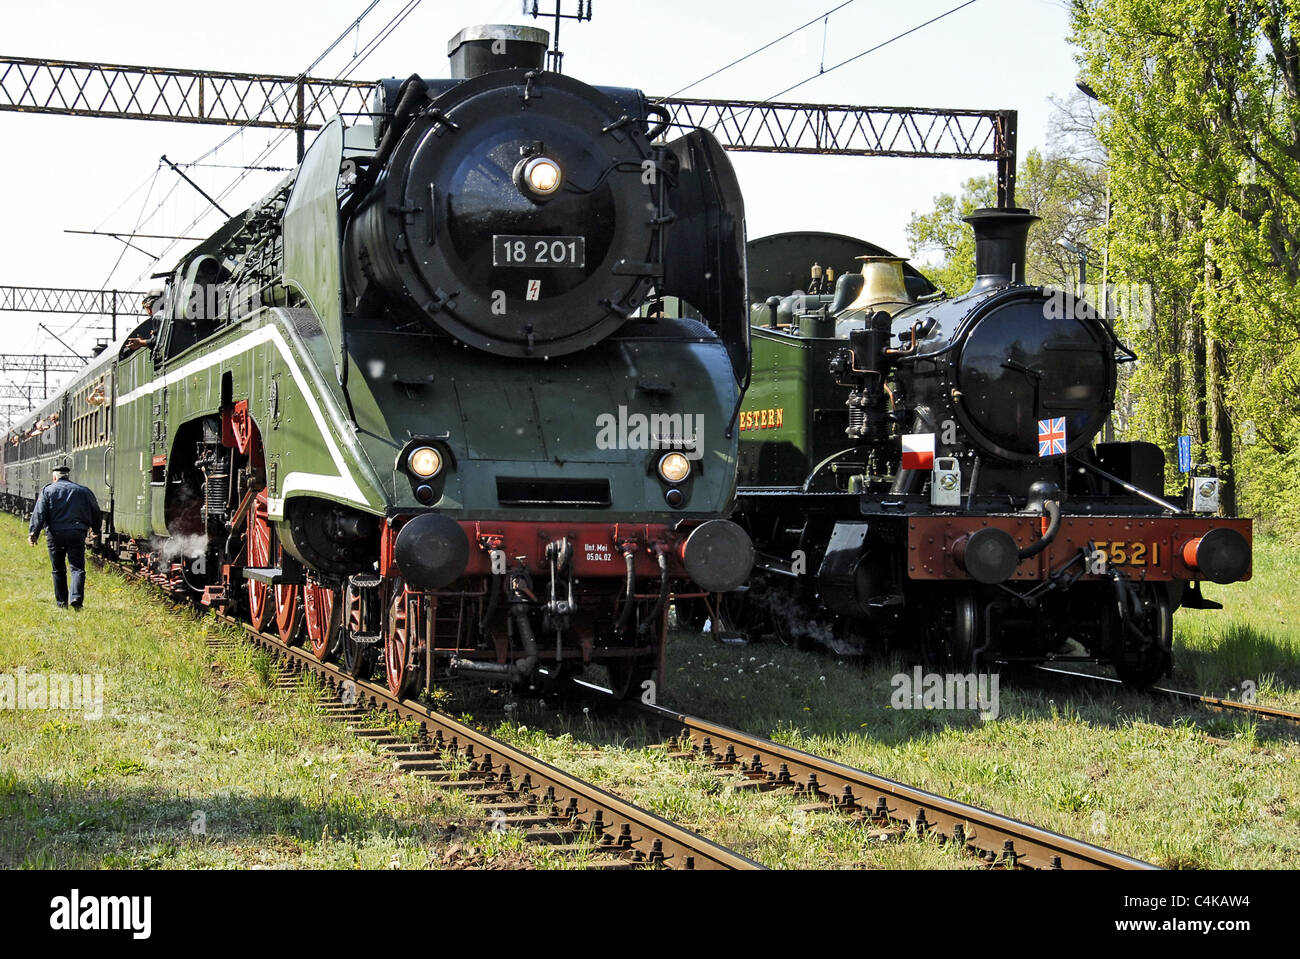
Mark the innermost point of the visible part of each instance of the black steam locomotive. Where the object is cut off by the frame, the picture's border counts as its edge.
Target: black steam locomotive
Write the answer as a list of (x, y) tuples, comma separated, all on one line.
[(921, 468)]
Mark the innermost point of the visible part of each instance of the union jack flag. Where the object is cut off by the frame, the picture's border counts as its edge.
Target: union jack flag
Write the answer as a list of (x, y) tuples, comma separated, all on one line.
[(1051, 436)]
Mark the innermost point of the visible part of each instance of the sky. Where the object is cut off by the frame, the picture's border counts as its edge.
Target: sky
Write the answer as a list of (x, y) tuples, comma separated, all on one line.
[(73, 173)]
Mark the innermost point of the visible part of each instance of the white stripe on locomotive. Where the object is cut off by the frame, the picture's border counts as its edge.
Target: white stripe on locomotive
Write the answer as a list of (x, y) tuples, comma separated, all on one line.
[(343, 485)]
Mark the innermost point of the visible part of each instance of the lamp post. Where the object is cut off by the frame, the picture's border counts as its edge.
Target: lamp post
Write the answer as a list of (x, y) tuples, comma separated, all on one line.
[(1092, 94), (1082, 253)]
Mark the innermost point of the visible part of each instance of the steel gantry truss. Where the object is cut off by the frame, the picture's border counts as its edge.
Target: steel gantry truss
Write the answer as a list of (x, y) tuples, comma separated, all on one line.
[(39, 299), (847, 130), (305, 103), (40, 363), (75, 88)]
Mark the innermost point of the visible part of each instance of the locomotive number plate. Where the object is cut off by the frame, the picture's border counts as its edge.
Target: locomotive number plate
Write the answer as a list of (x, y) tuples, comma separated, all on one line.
[(539, 251), (1124, 553)]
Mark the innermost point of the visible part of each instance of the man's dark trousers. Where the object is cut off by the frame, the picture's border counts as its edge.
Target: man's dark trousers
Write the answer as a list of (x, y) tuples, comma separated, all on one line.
[(69, 545)]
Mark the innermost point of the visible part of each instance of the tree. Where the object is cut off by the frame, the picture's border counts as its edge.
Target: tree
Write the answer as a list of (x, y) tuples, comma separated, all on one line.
[(1202, 131), (942, 231), (1068, 196)]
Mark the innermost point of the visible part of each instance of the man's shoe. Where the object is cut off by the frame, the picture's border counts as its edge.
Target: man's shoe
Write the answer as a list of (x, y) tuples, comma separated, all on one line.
[(77, 607), (61, 605)]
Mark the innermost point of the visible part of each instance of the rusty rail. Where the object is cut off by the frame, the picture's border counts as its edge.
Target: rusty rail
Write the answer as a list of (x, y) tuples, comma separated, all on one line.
[(1211, 702), (996, 839), (621, 829)]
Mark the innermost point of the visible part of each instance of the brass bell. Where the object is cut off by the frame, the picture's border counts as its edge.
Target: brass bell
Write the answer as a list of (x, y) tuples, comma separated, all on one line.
[(883, 287)]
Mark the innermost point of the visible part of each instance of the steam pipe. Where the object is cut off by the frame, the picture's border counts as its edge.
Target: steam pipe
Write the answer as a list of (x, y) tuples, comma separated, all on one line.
[(494, 596), (1053, 509), (629, 596), (663, 592), (411, 97), (520, 669)]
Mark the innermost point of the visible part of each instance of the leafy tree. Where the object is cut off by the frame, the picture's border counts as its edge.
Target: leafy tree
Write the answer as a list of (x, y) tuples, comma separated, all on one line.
[(942, 231), (1066, 194), (1202, 131)]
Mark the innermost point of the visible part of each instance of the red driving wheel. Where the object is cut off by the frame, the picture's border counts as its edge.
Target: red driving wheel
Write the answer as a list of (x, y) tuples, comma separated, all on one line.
[(321, 610), (258, 556), (288, 611), (402, 640)]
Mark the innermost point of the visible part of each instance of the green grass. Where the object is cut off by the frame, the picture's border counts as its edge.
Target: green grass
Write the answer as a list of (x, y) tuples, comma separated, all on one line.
[(1181, 787), (197, 762), (1255, 637)]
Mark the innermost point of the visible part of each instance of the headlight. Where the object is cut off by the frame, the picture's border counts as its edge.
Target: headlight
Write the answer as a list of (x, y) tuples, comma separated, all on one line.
[(543, 176), (424, 461), (674, 467)]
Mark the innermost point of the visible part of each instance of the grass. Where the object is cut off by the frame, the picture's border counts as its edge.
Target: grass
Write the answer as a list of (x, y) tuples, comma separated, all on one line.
[(197, 761), (280, 787), (1254, 638), (1180, 787)]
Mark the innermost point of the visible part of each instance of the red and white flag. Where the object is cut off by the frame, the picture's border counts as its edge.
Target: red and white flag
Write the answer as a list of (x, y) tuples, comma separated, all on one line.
[(918, 451)]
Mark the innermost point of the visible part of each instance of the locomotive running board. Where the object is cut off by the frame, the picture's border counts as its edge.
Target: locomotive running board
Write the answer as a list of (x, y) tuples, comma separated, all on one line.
[(270, 575)]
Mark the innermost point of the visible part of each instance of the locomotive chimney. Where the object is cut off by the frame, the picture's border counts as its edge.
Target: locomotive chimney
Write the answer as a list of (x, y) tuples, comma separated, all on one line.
[(496, 46), (1000, 245)]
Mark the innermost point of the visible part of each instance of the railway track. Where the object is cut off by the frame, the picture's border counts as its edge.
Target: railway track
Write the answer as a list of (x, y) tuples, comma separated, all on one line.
[(516, 790), (892, 807), (1211, 702), (521, 791)]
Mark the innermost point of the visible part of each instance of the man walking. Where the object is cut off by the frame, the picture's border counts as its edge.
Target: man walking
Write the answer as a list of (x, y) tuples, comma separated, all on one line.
[(66, 511)]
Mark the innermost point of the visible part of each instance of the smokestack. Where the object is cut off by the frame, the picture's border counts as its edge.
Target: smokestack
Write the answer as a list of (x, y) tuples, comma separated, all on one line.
[(496, 46), (1000, 245)]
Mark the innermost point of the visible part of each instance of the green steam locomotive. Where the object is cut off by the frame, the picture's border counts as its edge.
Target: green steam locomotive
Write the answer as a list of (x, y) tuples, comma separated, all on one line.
[(418, 407)]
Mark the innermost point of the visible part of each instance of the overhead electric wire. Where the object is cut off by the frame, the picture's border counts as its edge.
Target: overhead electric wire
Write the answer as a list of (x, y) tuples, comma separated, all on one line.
[(354, 25), (140, 218), (758, 50), (825, 70), (151, 180), (878, 46), (369, 48)]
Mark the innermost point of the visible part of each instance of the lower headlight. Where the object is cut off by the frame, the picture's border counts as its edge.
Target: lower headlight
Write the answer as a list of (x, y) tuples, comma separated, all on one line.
[(424, 461), (674, 467)]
